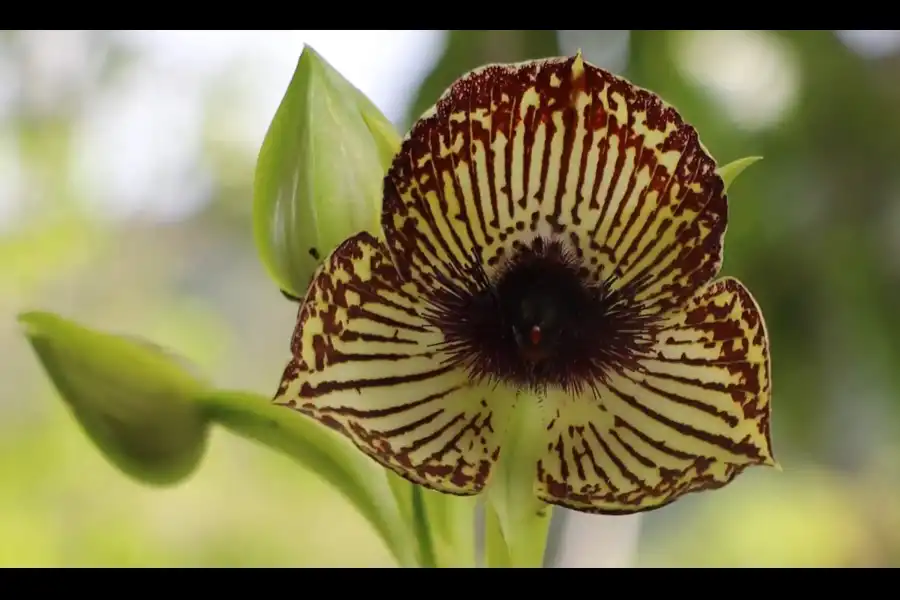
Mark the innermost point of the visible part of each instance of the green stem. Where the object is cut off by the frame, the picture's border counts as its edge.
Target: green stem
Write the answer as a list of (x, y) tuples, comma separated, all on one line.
[(451, 520), (150, 417), (515, 519), (403, 494), (528, 547), (422, 530), (525, 543), (496, 554), (330, 456)]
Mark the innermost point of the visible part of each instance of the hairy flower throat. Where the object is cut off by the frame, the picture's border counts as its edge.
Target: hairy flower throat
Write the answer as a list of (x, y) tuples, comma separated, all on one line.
[(541, 321)]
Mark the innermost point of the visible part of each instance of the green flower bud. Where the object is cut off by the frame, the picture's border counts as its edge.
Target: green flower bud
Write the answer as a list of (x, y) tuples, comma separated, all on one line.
[(132, 400), (320, 171), (150, 418)]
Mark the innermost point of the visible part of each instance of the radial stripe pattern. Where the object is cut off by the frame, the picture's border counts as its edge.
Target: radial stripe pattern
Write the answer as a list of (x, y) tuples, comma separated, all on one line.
[(363, 365), (557, 148), (555, 151), (690, 417)]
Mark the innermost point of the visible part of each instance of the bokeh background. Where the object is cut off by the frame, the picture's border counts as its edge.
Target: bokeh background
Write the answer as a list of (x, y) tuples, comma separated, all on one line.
[(126, 166)]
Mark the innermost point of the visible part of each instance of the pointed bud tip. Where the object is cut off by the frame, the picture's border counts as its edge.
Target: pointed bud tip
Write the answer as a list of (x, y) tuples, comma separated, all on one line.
[(31, 321), (308, 50), (309, 57), (320, 172)]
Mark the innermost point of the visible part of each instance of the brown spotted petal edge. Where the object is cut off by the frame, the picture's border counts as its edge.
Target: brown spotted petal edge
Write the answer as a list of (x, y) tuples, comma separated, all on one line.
[(563, 150)]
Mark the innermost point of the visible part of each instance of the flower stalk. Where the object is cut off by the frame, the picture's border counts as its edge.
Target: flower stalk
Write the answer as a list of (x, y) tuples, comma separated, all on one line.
[(150, 417), (516, 522), (322, 452)]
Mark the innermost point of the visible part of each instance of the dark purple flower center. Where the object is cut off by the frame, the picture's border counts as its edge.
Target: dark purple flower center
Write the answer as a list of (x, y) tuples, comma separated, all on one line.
[(541, 321)]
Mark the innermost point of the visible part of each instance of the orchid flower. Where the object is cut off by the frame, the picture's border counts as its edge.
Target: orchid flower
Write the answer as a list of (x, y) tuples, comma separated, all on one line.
[(550, 235), (517, 302)]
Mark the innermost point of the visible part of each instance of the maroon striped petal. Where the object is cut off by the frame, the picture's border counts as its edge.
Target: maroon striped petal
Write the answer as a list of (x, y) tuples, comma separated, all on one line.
[(561, 149), (365, 363), (689, 417)]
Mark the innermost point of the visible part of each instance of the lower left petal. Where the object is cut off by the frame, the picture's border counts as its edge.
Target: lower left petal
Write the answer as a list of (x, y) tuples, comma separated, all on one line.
[(366, 364)]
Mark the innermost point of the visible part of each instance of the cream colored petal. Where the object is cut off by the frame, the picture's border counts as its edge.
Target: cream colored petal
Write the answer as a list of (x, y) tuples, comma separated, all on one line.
[(688, 417), (365, 363), (557, 148)]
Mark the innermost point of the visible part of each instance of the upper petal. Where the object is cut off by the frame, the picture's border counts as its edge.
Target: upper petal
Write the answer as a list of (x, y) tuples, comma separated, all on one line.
[(364, 363), (689, 417), (564, 149)]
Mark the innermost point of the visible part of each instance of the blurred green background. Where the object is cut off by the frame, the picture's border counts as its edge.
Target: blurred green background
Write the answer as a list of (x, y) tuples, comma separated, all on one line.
[(126, 164)]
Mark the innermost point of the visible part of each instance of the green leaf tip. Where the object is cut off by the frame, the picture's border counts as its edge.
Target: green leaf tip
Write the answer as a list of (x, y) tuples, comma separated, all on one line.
[(132, 400), (730, 172), (319, 173)]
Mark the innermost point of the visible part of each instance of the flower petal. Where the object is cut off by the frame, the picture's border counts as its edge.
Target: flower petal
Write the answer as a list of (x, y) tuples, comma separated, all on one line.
[(364, 364), (560, 148), (689, 418)]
